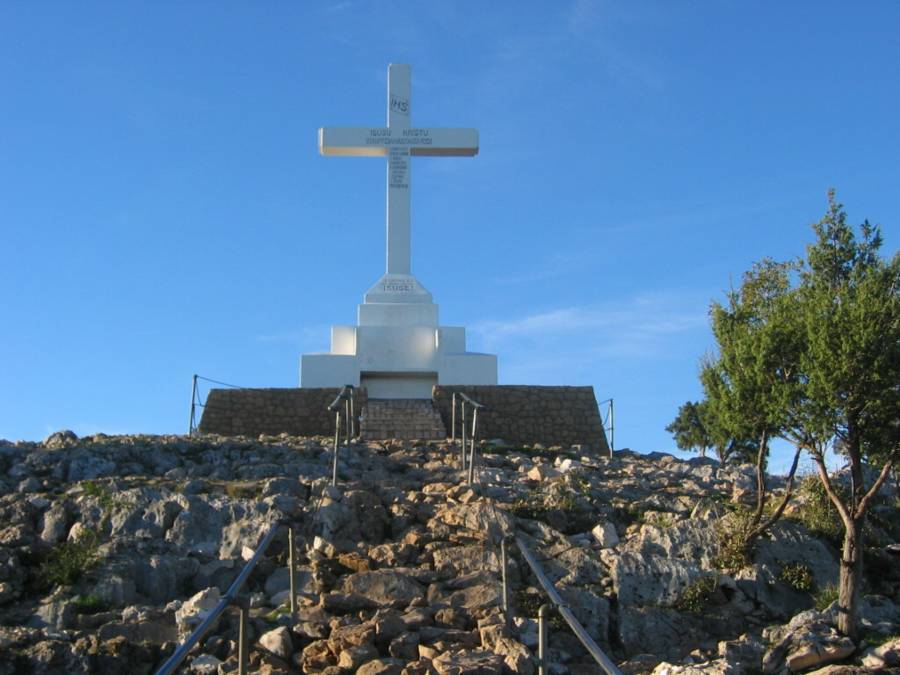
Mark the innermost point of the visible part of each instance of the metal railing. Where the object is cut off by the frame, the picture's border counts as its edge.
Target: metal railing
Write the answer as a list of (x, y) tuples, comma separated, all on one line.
[(609, 424), (231, 598), (197, 400), (346, 400), (465, 404), (583, 636)]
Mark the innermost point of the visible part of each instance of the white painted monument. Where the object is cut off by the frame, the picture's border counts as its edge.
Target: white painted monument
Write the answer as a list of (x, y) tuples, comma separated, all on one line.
[(397, 349)]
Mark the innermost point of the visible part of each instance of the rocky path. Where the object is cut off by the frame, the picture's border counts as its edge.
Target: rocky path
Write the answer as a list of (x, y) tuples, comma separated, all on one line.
[(112, 547)]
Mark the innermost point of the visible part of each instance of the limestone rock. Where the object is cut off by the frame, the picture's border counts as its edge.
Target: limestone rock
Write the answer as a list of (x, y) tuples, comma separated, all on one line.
[(384, 588), (807, 646), (60, 439), (651, 580), (542, 472), (469, 662), (278, 641), (55, 525), (194, 610), (605, 534), (205, 664), (352, 658), (382, 667)]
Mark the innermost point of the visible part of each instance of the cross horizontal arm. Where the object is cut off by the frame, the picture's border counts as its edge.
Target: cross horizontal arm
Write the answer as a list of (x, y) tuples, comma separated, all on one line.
[(376, 141)]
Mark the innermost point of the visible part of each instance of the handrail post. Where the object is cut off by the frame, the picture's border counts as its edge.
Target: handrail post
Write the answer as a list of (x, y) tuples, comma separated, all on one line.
[(463, 436), (352, 413), (292, 574), (503, 566), (472, 445), (543, 657), (612, 428), (337, 437), (193, 403), (453, 419), (349, 423), (242, 642)]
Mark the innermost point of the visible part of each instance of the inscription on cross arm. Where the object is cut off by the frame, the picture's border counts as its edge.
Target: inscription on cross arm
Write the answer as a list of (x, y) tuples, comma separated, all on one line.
[(398, 141)]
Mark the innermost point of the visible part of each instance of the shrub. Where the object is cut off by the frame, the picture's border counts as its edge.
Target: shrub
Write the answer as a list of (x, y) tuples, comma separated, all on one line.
[(798, 576), (104, 498), (816, 511), (89, 604), (825, 597), (70, 559), (731, 533), (697, 594)]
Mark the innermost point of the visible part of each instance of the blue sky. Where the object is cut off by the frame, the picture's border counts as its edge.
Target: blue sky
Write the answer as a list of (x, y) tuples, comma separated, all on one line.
[(164, 211)]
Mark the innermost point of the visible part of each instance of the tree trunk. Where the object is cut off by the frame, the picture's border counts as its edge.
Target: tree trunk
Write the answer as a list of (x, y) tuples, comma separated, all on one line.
[(850, 579)]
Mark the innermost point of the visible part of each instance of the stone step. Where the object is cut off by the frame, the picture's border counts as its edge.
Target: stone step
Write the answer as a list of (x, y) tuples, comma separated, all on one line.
[(401, 418)]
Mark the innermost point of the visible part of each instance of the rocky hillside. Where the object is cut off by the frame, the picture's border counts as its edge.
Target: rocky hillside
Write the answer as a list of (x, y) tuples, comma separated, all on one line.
[(112, 547)]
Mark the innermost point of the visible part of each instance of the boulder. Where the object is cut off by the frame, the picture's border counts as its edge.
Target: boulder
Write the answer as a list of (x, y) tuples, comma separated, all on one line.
[(55, 523), (195, 610), (605, 534), (542, 472), (806, 646), (60, 439), (384, 588), (278, 641), (651, 580), (670, 633), (198, 526), (382, 667), (479, 517), (469, 662)]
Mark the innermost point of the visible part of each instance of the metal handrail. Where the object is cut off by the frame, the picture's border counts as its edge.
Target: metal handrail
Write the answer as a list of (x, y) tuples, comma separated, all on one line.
[(196, 401), (345, 399), (593, 649), (468, 400), (609, 424), (229, 598), (465, 400)]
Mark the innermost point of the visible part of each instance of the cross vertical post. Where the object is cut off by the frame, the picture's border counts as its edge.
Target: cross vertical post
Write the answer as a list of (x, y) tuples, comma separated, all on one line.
[(398, 173)]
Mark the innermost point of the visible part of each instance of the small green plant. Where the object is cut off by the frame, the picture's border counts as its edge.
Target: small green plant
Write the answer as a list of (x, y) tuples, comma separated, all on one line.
[(238, 490), (798, 576), (817, 512), (283, 610), (70, 559), (566, 502), (825, 597), (731, 533), (102, 494), (529, 604), (697, 594), (89, 604)]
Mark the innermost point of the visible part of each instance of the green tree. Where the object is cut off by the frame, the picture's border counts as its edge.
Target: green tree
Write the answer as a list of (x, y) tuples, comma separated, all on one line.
[(851, 367), (754, 381), (695, 429), (689, 430)]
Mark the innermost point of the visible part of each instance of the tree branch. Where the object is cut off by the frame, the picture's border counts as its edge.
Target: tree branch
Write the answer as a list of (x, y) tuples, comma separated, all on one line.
[(760, 480), (866, 501), (788, 492), (830, 491)]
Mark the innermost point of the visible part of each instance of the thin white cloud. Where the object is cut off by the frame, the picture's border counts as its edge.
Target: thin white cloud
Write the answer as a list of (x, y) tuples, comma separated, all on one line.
[(570, 340), (314, 336)]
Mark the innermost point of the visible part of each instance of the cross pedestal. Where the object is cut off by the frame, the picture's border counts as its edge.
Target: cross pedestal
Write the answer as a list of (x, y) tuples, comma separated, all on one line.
[(397, 349)]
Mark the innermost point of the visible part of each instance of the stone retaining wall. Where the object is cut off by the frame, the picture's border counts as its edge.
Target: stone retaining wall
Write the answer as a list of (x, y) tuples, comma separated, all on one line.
[(524, 414), (251, 412), (519, 414)]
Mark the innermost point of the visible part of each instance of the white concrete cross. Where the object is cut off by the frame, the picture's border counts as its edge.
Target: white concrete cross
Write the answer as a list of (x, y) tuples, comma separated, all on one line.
[(398, 141)]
